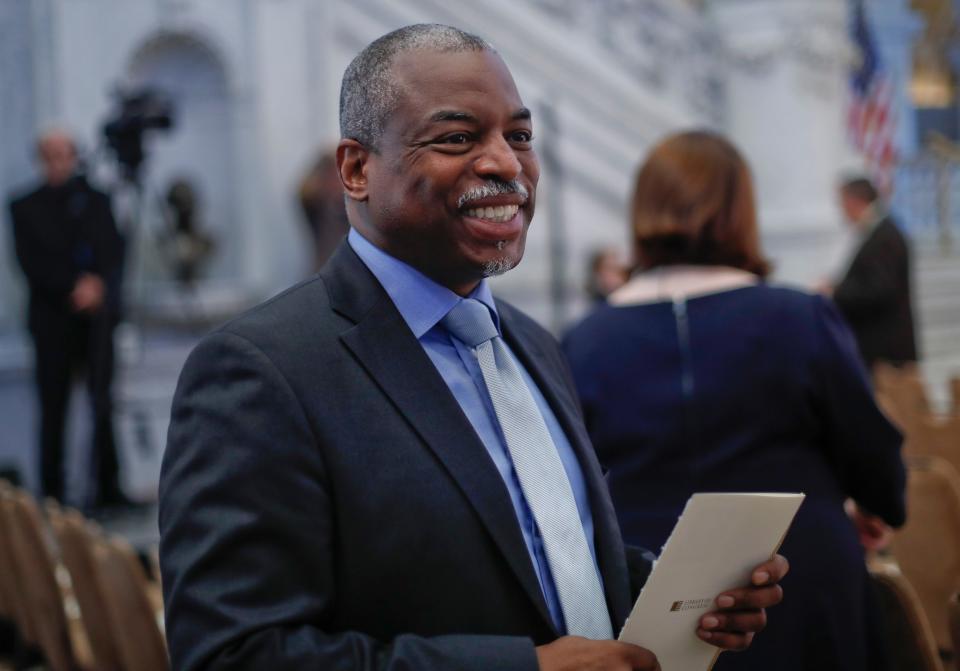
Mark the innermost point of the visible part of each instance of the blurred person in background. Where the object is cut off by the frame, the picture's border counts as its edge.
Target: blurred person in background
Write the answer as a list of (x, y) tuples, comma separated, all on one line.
[(71, 253), (606, 274), (321, 200), (700, 377), (186, 246), (874, 294)]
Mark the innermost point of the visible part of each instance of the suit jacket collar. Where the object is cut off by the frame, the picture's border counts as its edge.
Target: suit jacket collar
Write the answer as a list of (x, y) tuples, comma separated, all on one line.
[(869, 240), (404, 372), (386, 348)]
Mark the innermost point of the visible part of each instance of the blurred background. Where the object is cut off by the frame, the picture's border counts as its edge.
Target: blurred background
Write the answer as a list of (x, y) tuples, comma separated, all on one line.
[(208, 121)]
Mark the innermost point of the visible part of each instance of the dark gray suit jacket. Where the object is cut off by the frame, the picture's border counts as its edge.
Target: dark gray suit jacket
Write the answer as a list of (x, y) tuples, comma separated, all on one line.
[(875, 297), (325, 503)]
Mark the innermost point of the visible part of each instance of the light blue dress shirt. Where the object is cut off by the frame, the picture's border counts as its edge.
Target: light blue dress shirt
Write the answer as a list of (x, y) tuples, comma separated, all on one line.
[(422, 304)]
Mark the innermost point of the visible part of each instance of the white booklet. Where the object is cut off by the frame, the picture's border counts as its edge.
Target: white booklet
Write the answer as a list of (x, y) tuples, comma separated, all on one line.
[(717, 542)]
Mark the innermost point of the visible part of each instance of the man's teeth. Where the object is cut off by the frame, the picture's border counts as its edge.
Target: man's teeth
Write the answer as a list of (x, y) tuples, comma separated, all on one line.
[(499, 214)]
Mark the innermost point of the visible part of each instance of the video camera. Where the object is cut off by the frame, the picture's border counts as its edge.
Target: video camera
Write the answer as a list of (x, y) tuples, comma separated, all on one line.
[(138, 111)]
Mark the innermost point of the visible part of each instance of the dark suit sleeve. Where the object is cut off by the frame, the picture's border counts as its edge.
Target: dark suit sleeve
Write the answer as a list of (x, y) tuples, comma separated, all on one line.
[(248, 538), (53, 280), (640, 564), (861, 441), (874, 277)]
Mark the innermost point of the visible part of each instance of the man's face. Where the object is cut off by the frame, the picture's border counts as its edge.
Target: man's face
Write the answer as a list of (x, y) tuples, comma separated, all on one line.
[(853, 208), (58, 158), (451, 188)]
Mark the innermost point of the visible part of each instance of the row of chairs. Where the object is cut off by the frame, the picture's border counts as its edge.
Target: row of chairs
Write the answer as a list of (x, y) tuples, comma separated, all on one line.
[(910, 645), (907, 382), (83, 600), (923, 557), (902, 394), (927, 548)]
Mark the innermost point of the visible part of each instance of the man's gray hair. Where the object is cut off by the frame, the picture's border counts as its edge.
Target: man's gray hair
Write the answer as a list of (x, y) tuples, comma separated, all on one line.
[(369, 93)]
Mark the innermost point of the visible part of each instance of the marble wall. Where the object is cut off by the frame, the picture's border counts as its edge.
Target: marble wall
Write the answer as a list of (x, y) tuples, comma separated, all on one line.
[(605, 78)]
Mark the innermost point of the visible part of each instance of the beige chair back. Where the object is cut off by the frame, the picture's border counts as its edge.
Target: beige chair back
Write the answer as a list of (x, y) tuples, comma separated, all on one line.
[(76, 539), (927, 548), (134, 617), (935, 438), (7, 599), (63, 646), (954, 611), (11, 585), (909, 639), (904, 388)]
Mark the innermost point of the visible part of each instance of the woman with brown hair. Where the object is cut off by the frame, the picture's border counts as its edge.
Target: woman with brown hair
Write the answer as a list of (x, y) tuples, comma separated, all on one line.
[(699, 376)]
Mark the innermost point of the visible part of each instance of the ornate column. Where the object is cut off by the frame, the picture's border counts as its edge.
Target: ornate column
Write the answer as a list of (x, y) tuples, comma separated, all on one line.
[(786, 99)]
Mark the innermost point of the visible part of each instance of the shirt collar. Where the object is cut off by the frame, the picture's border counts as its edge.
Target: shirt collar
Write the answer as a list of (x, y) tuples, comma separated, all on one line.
[(680, 281), (421, 302)]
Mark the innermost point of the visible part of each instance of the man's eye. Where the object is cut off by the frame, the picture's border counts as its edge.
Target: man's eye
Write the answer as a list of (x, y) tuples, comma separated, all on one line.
[(521, 136), (455, 138)]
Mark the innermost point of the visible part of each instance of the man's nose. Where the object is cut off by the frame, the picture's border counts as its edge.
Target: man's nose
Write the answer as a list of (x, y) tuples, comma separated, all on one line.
[(498, 159)]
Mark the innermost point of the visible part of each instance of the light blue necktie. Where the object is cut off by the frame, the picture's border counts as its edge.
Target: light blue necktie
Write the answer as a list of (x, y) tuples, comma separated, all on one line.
[(540, 471)]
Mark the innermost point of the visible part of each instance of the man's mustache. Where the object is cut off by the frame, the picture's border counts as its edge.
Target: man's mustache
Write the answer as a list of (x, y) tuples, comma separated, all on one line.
[(493, 187)]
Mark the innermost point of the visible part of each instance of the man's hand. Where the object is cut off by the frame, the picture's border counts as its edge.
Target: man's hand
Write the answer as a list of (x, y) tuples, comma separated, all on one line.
[(572, 653), (875, 534), (740, 612), (823, 286), (87, 294)]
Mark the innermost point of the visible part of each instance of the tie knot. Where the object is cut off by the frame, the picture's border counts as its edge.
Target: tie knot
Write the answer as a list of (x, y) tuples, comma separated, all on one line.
[(470, 322)]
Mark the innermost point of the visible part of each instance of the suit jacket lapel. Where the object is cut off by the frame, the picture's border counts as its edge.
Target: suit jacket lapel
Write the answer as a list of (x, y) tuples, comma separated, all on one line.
[(608, 541), (387, 349)]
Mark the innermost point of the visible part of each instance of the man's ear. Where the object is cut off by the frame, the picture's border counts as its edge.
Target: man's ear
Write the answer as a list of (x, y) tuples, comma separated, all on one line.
[(353, 163)]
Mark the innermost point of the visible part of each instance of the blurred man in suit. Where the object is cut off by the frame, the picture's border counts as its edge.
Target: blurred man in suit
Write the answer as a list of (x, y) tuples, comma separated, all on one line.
[(71, 253), (384, 467), (874, 294)]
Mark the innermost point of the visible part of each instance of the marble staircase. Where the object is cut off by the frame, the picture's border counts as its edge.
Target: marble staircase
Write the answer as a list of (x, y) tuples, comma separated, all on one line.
[(937, 311)]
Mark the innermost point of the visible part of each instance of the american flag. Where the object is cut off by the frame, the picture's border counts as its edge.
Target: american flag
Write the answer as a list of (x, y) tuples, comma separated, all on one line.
[(872, 118)]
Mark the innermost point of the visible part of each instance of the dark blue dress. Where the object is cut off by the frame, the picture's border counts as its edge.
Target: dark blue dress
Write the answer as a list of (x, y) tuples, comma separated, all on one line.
[(750, 389)]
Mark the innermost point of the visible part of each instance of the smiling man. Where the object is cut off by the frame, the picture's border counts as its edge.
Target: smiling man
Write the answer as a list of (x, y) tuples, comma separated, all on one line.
[(385, 467)]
